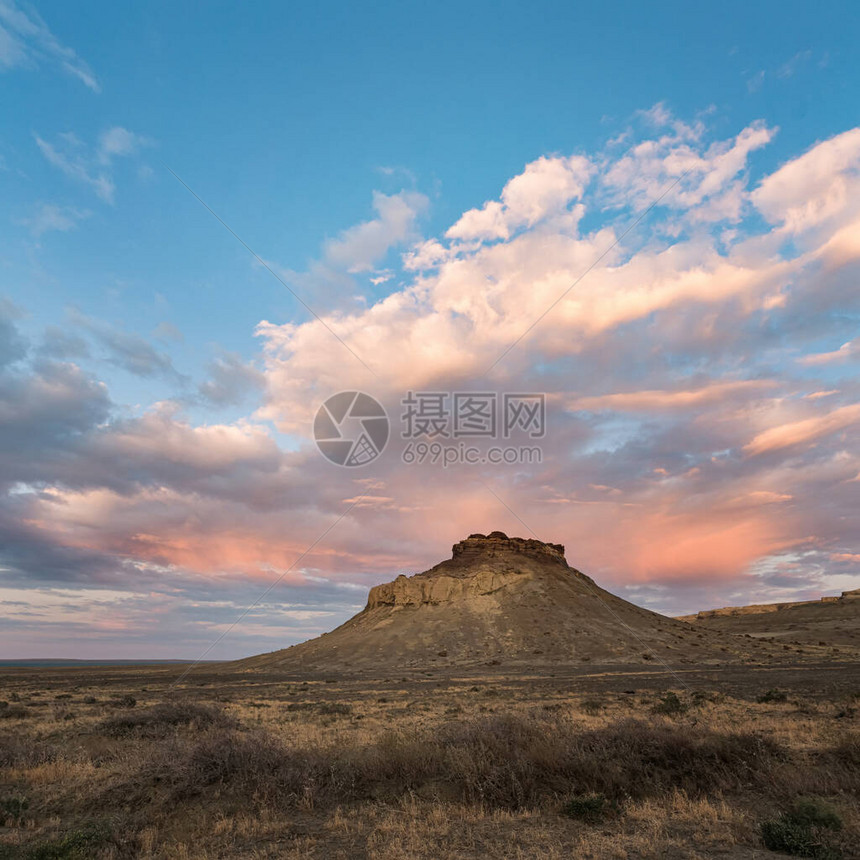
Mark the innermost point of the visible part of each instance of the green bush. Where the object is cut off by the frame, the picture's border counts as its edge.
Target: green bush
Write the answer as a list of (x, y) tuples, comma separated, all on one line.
[(670, 705), (802, 830), (586, 807), (816, 813), (80, 844), (11, 809)]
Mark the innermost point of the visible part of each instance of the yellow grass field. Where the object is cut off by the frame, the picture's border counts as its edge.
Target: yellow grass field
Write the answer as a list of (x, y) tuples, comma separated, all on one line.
[(615, 762)]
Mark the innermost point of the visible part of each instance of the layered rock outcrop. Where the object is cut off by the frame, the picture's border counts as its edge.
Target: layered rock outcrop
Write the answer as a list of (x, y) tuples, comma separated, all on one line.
[(479, 565)]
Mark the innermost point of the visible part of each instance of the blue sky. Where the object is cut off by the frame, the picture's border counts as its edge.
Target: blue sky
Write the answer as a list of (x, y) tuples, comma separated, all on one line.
[(345, 143)]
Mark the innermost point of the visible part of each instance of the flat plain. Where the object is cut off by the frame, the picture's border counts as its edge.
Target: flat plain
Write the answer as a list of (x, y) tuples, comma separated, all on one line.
[(734, 761)]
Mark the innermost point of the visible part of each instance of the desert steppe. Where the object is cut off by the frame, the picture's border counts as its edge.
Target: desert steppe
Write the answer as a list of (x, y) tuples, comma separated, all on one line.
[(588, 761)]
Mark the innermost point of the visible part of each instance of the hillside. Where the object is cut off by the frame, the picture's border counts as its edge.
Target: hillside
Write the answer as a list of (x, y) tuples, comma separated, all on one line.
[(832, 621), (505, 601)]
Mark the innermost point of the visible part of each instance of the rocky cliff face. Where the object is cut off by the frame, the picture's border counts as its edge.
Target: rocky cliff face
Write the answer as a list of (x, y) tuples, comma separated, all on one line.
[(498, 543), (479, 566)]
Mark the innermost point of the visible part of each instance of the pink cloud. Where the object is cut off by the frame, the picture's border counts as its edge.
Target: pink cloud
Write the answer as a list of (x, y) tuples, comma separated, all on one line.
[(675, 343), (803, 431), (646, 401)]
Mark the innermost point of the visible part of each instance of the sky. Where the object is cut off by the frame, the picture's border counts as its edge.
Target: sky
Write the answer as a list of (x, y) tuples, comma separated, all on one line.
[(647, 215)]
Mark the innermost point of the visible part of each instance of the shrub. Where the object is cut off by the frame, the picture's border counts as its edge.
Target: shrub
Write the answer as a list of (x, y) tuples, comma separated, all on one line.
[(802, 830), (126, 701), (670, 705), (160, 720), (586, 807), (773, 695), (11, 809), (816, 813), (14, 712), (18, 751), (500, 762), (847, 750), (335, 709), (80, 844), (592, 707)]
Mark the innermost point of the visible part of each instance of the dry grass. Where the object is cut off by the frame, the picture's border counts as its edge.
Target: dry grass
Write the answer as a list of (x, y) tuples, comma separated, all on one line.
[(436, 769)]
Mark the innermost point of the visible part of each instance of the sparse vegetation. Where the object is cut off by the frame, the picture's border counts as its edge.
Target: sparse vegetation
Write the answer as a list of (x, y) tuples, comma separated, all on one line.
[(158, 721), (804, 830), (586, 807), (78, 844), (11, 809), (772, 696), (396, 769), (14, 712), (670, 705)]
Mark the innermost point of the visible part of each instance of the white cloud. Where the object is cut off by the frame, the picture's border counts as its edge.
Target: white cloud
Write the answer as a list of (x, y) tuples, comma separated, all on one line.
[(357, 248), (846, 351), (118, 141), (681, 174), (26, 40), (92, 167), (50, 216), (471, 300), (546, 187), (821, 184)]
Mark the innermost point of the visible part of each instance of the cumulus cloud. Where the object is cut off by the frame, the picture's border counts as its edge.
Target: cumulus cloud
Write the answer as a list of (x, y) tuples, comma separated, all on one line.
[(818, 186), (26, 40), (680, 172), (546, 187), (689, 459), (358, 249)]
